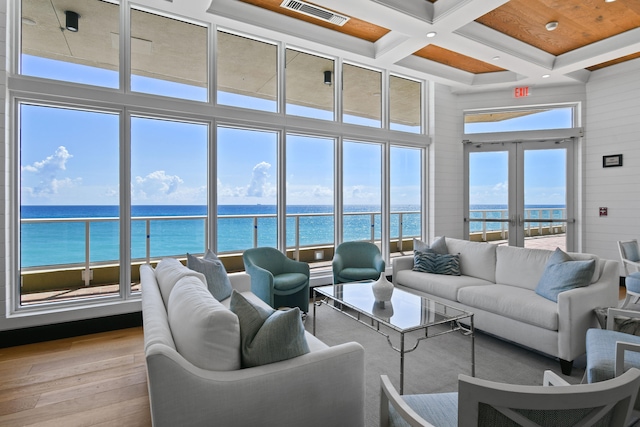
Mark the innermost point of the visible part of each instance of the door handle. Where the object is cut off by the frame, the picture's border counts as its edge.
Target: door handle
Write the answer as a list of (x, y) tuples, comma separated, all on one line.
[(512, 220), (520, 220)]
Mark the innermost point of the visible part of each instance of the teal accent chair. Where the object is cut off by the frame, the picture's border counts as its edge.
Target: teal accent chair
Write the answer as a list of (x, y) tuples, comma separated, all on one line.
[(276, 279), (355, 261)]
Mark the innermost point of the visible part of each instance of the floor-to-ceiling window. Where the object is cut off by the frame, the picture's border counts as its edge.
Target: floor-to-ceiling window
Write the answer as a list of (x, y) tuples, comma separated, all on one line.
[(168, 188), (310, 195), (69, 201), (247, 190), (154, 142), (361, 191)]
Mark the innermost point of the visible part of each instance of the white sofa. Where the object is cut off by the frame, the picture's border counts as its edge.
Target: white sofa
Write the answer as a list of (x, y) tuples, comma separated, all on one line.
[(324, 387), (498, 283)]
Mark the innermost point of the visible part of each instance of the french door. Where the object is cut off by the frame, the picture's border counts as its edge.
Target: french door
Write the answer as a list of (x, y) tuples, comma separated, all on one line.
[(519, 193)]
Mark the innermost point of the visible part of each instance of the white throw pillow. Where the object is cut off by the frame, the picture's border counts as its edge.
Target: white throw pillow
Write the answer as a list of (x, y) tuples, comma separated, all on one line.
[(169, 271), (205, 332)]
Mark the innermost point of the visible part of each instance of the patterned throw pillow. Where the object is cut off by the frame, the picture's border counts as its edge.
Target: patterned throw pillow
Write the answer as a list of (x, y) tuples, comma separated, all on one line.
[(429, 262)]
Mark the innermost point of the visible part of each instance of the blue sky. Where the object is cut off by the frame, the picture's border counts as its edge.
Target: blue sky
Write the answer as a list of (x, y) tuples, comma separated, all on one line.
[(70, 157)]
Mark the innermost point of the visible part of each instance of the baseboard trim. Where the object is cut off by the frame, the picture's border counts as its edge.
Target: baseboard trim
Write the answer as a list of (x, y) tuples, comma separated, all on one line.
[(15, 337)]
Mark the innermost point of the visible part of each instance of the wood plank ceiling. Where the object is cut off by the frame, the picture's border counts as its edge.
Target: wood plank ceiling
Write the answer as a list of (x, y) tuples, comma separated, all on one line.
[(506, 41)]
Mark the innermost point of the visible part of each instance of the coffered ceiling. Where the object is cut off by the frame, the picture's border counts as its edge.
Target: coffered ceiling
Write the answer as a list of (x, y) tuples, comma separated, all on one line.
[(478, 44)]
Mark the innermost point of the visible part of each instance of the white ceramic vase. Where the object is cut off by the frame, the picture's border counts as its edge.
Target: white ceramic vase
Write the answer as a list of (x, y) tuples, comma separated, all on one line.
[(382, 289)]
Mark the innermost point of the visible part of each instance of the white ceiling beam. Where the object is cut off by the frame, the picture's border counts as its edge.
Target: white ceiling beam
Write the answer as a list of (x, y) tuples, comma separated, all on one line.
[(602, 51)]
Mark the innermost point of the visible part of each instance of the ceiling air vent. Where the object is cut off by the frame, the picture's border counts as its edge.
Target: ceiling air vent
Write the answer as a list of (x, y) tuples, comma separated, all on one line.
[(315, 11)]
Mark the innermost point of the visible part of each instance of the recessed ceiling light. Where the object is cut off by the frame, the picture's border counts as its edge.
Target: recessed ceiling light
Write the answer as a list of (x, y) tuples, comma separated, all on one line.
[(431, 34), (609, 1), (546, 76), (551, 25), (495, 58), (28, 21)]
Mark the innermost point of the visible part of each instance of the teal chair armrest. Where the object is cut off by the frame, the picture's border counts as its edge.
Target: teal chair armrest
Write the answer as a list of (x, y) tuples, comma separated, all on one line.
[(293, 266), (337, 263), (261, 282)]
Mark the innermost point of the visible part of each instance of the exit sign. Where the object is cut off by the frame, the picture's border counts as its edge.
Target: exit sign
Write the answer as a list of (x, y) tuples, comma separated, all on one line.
[(521, 92)]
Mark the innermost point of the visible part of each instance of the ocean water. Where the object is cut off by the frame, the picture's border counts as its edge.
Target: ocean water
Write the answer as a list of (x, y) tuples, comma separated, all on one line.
[(53, 243)]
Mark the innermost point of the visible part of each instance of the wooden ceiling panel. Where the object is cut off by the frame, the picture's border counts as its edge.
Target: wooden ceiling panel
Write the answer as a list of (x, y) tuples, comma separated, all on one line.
[(456, 60), (581, 22), (354, 27), (614, 61)]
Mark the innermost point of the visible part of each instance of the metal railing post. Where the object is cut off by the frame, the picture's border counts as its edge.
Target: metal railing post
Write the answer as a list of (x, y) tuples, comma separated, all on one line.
[(148, 239), (87, 253), (255, 231)]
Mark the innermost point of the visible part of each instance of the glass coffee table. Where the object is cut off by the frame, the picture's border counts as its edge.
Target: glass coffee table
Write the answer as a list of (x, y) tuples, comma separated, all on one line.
[(405, 313)]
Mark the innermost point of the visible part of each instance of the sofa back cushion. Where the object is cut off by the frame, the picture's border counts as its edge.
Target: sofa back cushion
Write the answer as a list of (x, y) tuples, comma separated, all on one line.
[(169, 271), (205, 332), (476, 259), (523, 267)]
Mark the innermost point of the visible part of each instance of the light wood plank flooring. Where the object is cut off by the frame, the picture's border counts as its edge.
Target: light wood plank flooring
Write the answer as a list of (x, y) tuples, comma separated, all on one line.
[(92, 380)]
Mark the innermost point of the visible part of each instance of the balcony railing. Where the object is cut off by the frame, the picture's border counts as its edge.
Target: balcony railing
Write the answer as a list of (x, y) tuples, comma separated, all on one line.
[(93, 242)]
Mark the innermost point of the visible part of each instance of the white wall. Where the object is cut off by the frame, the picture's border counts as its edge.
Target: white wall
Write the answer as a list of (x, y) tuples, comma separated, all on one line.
[(613, 127), (445, 165)]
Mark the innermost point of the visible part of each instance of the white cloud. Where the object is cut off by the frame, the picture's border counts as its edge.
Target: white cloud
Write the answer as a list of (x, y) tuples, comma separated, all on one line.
[(46, 172), (259, 184), (155, 184)]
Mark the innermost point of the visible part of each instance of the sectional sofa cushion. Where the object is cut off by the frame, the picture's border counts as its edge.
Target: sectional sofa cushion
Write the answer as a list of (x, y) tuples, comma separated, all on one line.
[(440, 285), (512, 302), (438, 246), (430, 262), (268, 335), (216, 275), (562, 273), (476, 259), (205, 332), (168, 272)]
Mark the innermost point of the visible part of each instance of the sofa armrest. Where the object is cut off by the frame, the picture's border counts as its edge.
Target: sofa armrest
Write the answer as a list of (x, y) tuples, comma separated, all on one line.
[(575, 310), (401, 263), (241, 281), (321, 388)]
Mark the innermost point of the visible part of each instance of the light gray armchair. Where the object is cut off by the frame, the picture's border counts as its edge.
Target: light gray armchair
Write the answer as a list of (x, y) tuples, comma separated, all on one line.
[(276, 279), (487, 403)]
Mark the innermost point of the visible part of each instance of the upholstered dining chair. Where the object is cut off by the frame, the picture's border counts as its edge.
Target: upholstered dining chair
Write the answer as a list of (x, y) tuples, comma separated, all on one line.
[(276, 279), (630, 256), (355, 261), (615, 349), (486, 403)]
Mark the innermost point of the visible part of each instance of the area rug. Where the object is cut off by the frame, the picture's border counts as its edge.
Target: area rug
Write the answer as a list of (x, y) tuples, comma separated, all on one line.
[(434, 366)]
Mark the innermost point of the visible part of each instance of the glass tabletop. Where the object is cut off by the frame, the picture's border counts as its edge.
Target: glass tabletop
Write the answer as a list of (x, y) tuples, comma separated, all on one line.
[(405, 311)]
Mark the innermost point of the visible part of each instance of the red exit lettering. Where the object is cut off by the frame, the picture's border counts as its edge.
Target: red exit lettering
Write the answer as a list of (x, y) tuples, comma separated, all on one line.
[(521, 92)]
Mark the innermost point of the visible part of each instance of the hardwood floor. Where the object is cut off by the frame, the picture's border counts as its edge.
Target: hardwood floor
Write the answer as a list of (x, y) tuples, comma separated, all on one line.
[(92, 380)]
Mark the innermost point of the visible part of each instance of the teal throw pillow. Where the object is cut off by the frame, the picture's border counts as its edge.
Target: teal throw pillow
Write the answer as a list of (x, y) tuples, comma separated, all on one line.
[(562, 273), (429, 262), (438, 246), (268, 335), (217, 279)]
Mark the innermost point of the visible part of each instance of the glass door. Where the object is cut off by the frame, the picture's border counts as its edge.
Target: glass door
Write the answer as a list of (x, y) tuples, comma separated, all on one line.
[(517, 193)]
